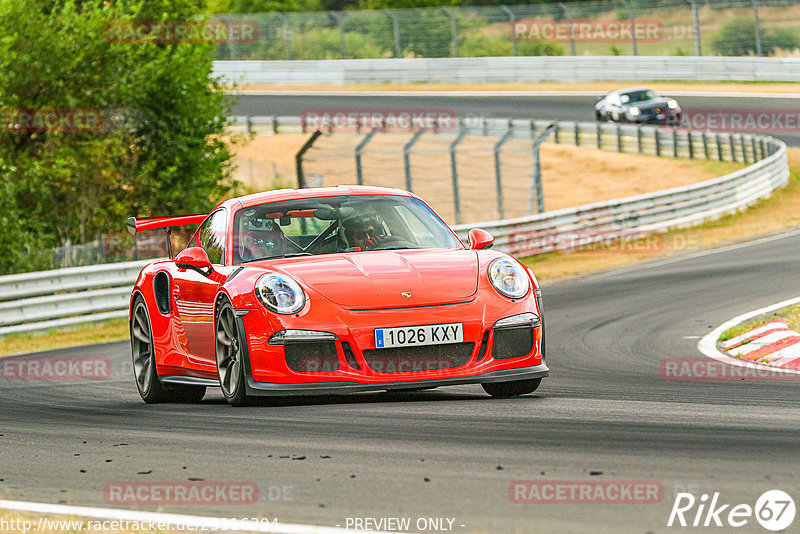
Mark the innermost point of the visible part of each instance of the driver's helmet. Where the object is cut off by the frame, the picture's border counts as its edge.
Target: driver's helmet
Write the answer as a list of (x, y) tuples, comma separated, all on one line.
[(364, 231), (262, 238)]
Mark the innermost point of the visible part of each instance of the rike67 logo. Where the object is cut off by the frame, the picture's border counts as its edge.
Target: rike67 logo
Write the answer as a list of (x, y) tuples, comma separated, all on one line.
[(774, 510)]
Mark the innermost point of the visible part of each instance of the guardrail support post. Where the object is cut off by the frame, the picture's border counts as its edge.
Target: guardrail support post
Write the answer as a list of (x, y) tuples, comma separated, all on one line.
[(675, 143), (577, 134), (719, 148), (733, 147), (599, 134), (744, 148), (763, 149), (639, 139), (657, 139), (753, 147), (690, 141), (619, 138), (359, 151), (298, 158), (705, 145), (498, 173), (454, 172), (407, 156)]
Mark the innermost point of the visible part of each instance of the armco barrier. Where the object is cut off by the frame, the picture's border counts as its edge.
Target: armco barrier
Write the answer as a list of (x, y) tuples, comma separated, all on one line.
[(39, 301), (509, 69)]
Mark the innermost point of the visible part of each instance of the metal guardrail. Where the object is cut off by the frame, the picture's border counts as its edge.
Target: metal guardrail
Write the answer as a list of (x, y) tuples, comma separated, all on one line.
[(37, 301), (43, 300), (509, 69)]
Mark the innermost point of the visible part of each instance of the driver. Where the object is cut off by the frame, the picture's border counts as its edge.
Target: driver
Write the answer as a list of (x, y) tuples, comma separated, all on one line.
[(364, 231), (262, 238)]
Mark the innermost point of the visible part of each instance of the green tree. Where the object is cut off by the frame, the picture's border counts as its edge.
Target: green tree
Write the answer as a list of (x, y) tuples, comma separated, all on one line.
[(737, 37), (156, 148)]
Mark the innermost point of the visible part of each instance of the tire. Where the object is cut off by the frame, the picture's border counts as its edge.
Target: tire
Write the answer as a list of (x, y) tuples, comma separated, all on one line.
[(230, 364), (151, 389), (512, 389)]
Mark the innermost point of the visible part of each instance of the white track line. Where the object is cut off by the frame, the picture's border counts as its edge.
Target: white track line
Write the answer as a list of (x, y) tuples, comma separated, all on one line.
[(457, 94), (708, 344), (185, 522)]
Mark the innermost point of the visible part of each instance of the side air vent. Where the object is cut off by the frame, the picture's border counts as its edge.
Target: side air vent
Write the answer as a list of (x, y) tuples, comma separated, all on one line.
[(161, 291)]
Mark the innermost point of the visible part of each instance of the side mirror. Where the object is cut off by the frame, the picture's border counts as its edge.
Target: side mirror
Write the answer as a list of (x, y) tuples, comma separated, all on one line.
[(480, 239), (194, 258)]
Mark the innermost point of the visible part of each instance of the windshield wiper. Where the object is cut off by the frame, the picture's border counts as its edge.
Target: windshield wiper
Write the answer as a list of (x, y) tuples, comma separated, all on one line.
[(292, 254)]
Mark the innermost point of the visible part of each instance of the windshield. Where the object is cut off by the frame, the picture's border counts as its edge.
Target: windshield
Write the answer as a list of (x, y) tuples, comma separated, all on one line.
[(342, 224), (639, 96)]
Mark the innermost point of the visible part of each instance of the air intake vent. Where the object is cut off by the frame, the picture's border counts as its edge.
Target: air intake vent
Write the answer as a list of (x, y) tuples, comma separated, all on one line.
[(419, 359), (512, 343), (349, 356), (308, 357)]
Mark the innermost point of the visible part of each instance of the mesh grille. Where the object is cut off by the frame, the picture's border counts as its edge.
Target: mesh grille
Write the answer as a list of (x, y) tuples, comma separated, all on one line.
[(419, 359), (306, 357), (512, 343)]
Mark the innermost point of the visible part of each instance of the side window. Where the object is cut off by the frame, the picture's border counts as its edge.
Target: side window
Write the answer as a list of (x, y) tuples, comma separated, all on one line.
[(211, 236)]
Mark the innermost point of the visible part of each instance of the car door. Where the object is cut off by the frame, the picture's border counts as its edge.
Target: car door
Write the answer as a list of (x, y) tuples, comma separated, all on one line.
[(193, 293)]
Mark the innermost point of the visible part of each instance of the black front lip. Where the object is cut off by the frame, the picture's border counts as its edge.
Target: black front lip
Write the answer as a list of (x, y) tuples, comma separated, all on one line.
[(329, 388)]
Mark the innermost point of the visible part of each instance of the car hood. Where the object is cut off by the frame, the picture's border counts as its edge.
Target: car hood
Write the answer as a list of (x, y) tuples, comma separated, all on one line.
[(388, 279)]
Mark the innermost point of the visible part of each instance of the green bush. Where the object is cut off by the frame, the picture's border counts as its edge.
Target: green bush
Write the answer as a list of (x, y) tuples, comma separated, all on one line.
[(737, 37), (158, 150)]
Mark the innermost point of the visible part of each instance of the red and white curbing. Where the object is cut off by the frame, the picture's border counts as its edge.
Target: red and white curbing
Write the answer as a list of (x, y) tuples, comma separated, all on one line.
[(770, 346), (772, 343)]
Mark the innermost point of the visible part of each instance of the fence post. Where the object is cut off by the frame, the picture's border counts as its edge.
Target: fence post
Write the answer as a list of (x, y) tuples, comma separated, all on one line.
[(733, 147), (568, 13), (395, 32), (744, 148), (536, 186), (359, 151), (674, 143), (454, 170), (577, 134), (511, 20), (249, 123), (453, 31), (275, 124), (705, 145), (719, 148), (758, 28), (698, 51), (633, 26), (658, 141), (639, 139), (298, 158), (619, 138), (599, 135), (556, 133), (337, 17), (498, 173), (407, 156), (753, 146), (287, 33), (763, 149), (691, 144)]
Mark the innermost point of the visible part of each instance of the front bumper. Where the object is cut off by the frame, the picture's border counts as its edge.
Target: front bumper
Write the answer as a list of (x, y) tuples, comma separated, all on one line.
[(267, 371)]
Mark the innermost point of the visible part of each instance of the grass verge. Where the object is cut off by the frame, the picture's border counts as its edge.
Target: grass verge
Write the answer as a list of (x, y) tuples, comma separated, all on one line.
[(85, 334)]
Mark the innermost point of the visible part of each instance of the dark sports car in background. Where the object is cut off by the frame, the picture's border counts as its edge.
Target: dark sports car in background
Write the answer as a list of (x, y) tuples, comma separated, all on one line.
[(637, 105), (331, 290)]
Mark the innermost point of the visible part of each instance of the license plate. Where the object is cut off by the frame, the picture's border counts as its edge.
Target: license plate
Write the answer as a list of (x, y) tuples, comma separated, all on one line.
[(414, 336)]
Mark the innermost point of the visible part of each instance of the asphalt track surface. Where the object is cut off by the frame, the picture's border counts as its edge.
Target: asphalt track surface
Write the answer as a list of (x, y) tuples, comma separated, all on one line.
[(606, 413), (567, 108)]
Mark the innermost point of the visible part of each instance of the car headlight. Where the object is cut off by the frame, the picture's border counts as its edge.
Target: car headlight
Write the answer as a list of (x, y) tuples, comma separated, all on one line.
[(280, 293), (634, 111), (672, 104), (508, 278)]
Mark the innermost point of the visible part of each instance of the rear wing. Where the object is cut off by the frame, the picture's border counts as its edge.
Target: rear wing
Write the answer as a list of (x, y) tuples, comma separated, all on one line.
[(142, 224)]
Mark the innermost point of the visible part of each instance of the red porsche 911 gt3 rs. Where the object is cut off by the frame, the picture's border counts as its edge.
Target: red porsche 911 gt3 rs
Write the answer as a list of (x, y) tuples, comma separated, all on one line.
[(331, 290)]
